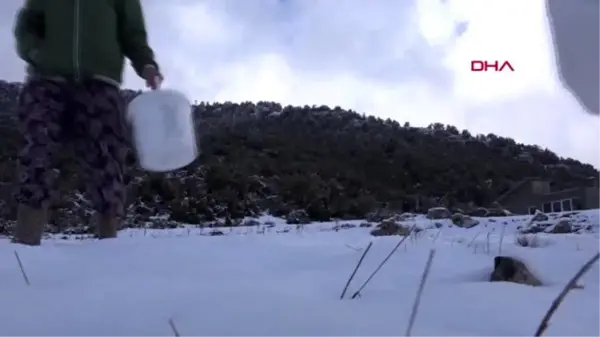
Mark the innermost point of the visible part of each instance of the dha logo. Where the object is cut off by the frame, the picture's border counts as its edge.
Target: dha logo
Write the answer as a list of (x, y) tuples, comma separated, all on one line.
[(496, 66)]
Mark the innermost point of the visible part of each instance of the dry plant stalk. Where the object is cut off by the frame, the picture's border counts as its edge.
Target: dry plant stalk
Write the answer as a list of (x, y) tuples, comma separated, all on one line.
[(560, 298), (357, 293), (360, 261), (415, 308), (501, 240), (352, 247), (174, 328), (473, 239), (437, 235), (487, 243), (22, 268)]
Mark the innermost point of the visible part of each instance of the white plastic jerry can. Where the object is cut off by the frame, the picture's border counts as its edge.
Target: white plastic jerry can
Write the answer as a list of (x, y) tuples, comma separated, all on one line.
[(163, 129)]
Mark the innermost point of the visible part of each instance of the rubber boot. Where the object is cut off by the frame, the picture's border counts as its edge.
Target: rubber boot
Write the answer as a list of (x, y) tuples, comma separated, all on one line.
[(106, 226), (30, 225)]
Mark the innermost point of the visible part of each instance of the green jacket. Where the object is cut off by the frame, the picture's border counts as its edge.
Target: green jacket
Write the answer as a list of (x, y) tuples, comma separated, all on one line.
[(82, 38)]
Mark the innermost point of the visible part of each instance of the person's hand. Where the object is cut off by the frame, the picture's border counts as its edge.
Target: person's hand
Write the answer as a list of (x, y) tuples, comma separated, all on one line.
[(152, 76)]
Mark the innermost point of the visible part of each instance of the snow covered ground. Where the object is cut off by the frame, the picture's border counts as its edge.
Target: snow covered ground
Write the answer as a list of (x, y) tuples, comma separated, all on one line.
[(288, 282)]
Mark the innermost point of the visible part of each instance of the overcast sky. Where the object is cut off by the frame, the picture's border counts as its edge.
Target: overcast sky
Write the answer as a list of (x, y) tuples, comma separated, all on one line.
[(404, 59)]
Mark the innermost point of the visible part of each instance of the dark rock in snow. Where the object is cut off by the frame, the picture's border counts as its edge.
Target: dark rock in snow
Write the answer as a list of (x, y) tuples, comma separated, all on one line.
[(509, 269), (216, 232), (379, 215), (539, 216), (438, 213), (478, 212), (563, 226), (464, 221), (387, 228), (297, 217), (495, 212)]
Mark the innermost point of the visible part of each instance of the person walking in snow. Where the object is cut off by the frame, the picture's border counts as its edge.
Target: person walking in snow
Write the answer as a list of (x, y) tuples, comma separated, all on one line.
[(75, 51)]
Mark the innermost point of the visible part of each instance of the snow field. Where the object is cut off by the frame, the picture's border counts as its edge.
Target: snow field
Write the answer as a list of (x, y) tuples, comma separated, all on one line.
[(277, 283)]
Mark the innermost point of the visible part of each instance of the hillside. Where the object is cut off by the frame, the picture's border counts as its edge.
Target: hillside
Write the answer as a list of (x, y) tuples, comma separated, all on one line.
[(330, 162)]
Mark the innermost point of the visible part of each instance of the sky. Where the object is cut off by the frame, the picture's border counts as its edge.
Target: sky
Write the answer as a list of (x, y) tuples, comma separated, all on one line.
[(409, 60)]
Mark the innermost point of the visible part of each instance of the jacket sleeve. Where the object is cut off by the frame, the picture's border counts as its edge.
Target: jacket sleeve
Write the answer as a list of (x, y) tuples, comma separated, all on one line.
[(133, 36), (29, 29)]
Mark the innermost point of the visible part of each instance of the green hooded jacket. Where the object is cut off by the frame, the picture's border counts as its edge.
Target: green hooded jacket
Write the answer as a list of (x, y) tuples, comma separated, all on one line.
[(80, 39)]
